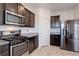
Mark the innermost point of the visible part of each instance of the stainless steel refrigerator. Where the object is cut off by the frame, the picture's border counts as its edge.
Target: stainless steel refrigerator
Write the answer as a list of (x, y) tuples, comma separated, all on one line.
[(70, 35)]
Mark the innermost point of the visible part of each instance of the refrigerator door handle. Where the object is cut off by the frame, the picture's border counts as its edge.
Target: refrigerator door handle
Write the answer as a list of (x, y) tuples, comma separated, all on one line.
[(63, 31)]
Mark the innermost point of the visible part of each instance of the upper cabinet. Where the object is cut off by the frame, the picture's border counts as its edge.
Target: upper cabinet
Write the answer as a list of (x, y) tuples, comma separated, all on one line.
[(21, 9), (16, 13), (26, 14), (1, 13), (13, 7), (55, 21), (32, 19)]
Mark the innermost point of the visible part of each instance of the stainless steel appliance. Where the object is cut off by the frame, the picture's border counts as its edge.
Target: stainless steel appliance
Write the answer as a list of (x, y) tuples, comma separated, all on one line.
[(18, 44), (70, 35), (13, 18)]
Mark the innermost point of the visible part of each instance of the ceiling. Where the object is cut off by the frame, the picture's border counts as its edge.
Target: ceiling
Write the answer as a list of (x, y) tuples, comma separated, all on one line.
[(55, 6)]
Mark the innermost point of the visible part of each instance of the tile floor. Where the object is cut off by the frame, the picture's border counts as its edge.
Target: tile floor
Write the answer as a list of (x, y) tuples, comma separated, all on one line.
[(53, 51)]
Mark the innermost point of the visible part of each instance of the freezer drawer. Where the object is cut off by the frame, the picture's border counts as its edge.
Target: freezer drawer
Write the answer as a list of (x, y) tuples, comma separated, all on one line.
[(69, 44)]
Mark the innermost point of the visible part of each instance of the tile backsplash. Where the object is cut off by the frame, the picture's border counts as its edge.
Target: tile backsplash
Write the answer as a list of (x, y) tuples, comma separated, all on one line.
[(23, 29), (55, 30)]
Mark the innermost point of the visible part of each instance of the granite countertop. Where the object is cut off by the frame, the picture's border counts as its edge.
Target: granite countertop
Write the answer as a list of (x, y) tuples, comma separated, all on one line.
[(2, 42), (29, 34)]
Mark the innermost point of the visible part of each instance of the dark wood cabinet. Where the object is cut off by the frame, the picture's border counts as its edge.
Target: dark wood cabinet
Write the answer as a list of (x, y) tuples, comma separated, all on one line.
[(32, 20), (55, 40), (21, 9), (1, 13), (36, 41), (26, 14), (55, 22), (4, 50), (18, 9), (13, 7), (33, 43)]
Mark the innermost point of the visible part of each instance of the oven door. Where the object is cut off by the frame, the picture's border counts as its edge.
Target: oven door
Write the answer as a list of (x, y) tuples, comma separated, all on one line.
[(19, 49)]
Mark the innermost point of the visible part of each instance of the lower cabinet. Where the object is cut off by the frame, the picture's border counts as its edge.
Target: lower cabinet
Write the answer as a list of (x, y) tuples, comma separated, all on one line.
[(55, 40), (36, 41), (4, 50), (33, 43), (20, 49)]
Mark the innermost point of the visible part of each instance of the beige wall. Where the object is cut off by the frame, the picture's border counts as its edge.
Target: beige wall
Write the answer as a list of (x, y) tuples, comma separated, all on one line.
[(44, 27), (76, 12), (64, 14)]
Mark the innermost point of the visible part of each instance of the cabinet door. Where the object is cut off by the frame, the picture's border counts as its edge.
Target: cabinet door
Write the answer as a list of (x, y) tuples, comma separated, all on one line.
[(5, 54), (55, 21), (31, 44), (12, 7), (51, 40), (1, 13), (26, 15), (21, 9), (36, 41), (55, 40), (32, 20), (24, 12), (4, 50)]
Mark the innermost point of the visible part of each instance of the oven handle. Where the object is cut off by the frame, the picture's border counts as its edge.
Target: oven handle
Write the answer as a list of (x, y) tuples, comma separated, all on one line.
[(20, 43)]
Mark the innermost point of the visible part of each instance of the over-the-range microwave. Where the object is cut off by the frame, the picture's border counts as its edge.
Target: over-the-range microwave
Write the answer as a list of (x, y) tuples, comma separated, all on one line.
[(13, 18)]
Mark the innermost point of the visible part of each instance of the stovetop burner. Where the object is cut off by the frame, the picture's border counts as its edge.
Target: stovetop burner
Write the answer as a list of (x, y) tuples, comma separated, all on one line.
[(15, 40), (13, 37)]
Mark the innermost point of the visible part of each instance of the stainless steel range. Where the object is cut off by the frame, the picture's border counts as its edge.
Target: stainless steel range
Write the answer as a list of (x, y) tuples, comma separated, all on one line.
[(18, 44)]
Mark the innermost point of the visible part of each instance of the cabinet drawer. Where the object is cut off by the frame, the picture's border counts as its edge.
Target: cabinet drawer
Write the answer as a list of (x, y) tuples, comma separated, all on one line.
[(31, 47), (32, 19), (1, 14)]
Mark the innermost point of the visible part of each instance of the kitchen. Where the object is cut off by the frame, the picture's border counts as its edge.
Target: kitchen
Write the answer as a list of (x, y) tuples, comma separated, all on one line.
[(35, 25), (14, 16)]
